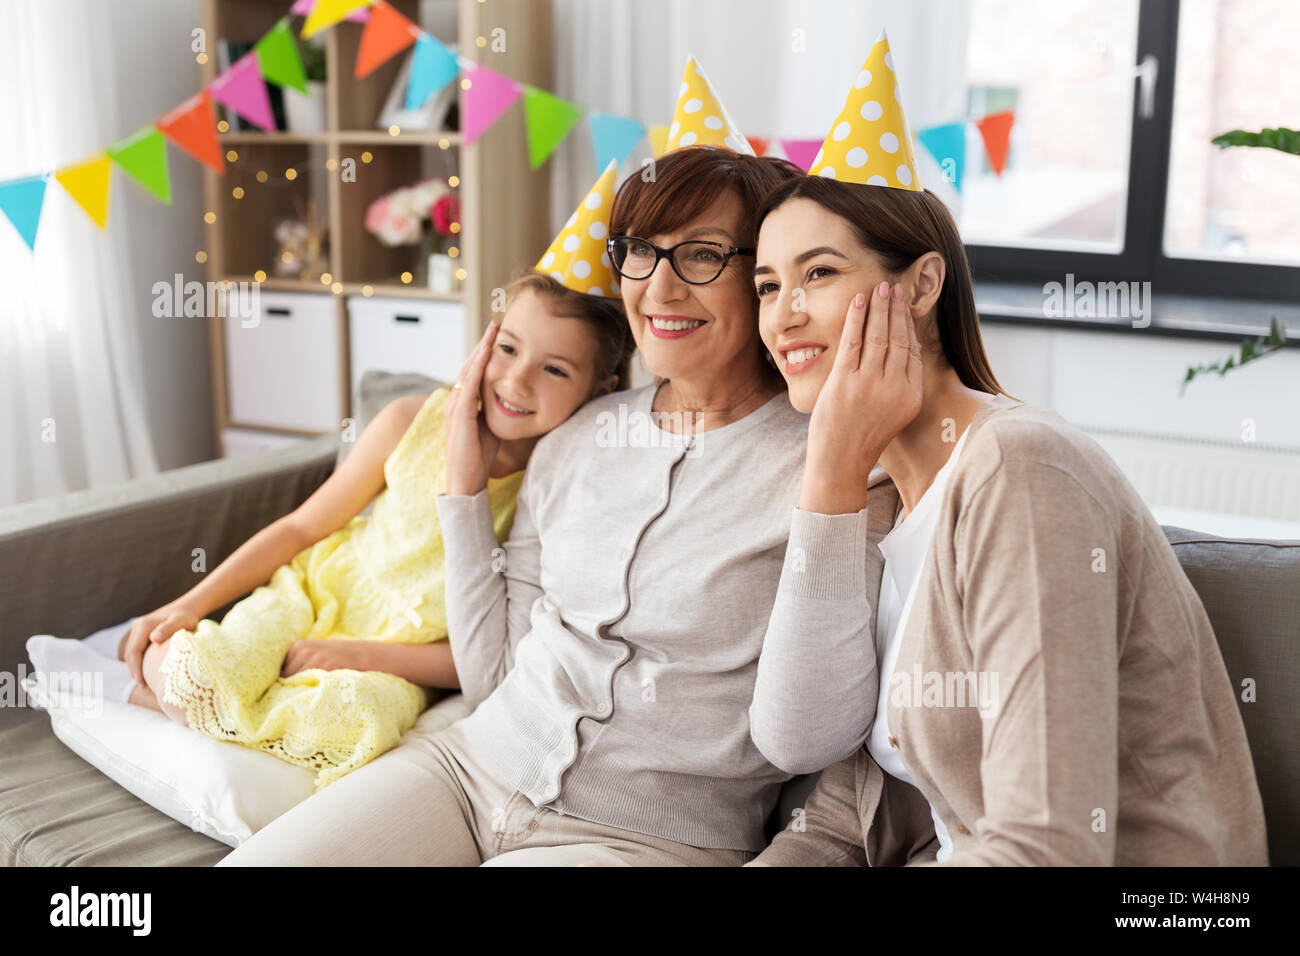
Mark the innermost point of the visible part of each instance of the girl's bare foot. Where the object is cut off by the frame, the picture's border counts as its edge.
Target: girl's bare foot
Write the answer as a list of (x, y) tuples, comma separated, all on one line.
[(142, 696)]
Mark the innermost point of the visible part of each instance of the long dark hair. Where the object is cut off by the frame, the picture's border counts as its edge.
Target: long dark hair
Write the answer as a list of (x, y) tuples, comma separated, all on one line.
[(900, 226)]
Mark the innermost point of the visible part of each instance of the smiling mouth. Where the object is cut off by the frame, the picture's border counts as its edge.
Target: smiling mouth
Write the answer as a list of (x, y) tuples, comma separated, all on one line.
[(796, 360), (672, 328), (509, 408)]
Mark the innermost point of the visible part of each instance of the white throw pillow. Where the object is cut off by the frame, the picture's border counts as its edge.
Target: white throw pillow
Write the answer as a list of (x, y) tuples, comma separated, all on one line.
[(219, 789)]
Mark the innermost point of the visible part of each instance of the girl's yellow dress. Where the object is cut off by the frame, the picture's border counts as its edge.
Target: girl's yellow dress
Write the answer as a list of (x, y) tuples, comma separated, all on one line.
[(380, 578)]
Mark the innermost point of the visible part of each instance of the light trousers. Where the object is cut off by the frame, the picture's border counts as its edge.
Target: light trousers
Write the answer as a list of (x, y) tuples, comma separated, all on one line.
[(429, 803)]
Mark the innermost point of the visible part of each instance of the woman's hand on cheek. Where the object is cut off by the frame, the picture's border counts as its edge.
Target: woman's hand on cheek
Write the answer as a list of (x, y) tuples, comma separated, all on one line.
[(470, 445), (873, 392)]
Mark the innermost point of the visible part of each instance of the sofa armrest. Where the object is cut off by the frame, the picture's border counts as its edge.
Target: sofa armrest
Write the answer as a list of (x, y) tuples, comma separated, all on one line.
[(73, 564)]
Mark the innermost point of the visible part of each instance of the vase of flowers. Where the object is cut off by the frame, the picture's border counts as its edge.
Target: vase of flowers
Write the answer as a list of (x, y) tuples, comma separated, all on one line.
[(425, 214)]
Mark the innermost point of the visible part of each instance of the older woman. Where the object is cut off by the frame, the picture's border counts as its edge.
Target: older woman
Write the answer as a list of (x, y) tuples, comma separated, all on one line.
[(611, 650)]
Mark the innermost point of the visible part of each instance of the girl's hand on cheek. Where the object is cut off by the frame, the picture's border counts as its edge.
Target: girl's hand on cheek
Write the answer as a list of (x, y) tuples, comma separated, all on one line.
[(470, 445), (873, 392)]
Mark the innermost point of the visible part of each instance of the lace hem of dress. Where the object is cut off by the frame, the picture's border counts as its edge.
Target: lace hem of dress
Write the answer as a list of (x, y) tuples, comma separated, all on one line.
[(189, 685)]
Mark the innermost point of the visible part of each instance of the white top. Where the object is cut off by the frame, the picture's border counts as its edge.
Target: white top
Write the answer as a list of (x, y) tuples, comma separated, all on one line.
[(905, 548)]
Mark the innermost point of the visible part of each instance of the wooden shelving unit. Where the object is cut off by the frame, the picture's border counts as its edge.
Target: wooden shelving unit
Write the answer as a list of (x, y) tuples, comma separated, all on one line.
[(504, 204)]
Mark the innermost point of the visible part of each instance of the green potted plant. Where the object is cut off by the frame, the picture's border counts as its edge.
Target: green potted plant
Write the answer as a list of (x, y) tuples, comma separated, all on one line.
[(305, 113), (1255, 347)]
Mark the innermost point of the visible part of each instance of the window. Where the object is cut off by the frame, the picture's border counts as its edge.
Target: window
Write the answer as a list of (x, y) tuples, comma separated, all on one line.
[(1111, 174)]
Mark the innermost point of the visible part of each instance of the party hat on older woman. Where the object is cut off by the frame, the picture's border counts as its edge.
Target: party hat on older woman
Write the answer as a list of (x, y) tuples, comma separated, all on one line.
[(871, 142), (577, 258), (700, 119)]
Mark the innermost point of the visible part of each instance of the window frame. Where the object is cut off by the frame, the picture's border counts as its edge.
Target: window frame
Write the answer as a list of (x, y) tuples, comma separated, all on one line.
[(1142, 256)]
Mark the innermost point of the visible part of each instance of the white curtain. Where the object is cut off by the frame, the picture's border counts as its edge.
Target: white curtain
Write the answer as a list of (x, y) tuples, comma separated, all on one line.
[(781, 67), (70, 365)]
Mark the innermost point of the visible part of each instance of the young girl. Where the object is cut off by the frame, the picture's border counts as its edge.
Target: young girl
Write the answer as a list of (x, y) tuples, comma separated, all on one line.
[(328, 664)]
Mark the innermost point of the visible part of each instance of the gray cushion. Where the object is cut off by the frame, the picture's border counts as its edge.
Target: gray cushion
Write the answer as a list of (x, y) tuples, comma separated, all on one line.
[(1251, 591), (58, 810), (377, 389)]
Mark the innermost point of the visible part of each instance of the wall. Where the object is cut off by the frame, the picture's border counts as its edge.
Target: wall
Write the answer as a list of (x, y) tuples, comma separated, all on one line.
[(156, 70)]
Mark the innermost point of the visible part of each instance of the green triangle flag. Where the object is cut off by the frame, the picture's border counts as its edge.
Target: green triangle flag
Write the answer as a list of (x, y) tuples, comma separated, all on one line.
[(143, 156), (548, 120), (278, 58)]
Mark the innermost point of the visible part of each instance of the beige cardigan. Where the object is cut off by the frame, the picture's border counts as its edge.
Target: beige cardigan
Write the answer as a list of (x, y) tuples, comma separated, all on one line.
[(1114, 735)]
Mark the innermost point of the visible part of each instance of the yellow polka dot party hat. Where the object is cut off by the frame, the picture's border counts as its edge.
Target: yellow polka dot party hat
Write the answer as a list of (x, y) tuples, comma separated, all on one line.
[(871, 142), (700, 119), (577, 257)]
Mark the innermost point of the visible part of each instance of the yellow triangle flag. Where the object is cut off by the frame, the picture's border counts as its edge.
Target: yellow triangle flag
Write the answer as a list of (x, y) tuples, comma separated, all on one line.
[(658, 140), (87, 183), (326, 13)]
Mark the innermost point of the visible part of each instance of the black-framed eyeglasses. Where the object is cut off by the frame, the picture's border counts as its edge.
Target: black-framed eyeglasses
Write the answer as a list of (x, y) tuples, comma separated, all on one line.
[(697, 261)]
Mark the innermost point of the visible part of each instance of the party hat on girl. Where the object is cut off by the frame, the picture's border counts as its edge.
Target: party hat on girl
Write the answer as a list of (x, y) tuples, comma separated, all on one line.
[(871, 142), (577, 257), (700, 119)]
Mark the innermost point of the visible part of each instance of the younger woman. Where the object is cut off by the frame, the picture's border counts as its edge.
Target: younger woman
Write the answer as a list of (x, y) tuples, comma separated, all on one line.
[(978, 618), (326, 666)]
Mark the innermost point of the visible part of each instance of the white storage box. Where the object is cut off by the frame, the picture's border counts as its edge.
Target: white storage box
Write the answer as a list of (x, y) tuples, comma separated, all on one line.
[(283, 371), (406, 335)]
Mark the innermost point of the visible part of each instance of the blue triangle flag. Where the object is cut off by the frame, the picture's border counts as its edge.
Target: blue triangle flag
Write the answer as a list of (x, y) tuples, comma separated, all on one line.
[(614, 137), (947, 144), (433, 66), (20, 201)]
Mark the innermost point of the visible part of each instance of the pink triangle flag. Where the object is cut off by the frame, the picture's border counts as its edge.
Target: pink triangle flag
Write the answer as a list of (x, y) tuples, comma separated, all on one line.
[(243, 90), (801, 152), (489, 95)]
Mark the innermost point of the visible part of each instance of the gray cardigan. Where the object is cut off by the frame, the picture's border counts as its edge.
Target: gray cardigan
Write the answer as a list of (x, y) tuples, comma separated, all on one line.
[(610, 653)]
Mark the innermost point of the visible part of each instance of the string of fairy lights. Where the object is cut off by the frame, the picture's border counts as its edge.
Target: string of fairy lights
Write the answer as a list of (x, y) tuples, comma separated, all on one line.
[(290, 174)]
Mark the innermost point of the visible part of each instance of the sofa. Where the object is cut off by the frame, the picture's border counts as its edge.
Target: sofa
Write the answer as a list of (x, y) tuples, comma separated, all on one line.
[(72, 565)]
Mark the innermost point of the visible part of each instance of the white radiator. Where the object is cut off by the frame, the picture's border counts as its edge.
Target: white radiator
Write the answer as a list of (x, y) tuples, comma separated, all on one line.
[(1199, 475)]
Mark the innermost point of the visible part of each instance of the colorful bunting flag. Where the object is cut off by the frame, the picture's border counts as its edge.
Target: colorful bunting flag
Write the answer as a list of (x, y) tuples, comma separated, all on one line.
[(20, 201), (278, 57), (488, 95), (387, 34), (547, 120), (801, 152), (326, 13), (759, 145), (143, 156), (302, 8), (433, 66), (614, 137), (947, 144), (658, 140), (87, 183), (996, 130), (243, 90), (193, 127)]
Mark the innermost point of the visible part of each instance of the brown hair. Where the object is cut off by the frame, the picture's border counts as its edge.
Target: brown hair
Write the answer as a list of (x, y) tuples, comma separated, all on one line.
[(900, 226), (604, 316), (687, 182)]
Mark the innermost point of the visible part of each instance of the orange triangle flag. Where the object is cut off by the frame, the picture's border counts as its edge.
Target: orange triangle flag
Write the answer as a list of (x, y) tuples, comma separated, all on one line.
[(758, 144), (87, 183), (387, 34), (193, 127), (996, 130)]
